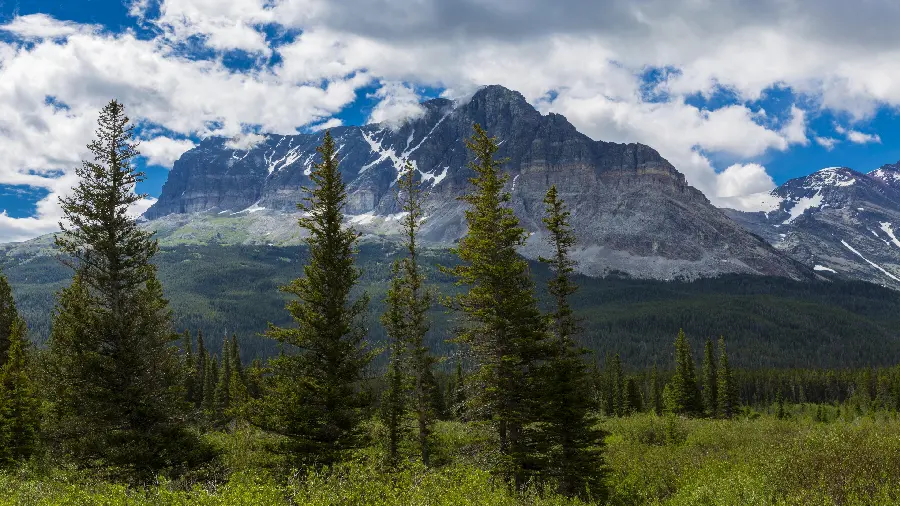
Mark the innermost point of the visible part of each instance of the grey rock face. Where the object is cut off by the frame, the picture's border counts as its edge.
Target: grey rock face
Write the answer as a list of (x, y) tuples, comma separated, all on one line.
[(633, 212), (838, 221)]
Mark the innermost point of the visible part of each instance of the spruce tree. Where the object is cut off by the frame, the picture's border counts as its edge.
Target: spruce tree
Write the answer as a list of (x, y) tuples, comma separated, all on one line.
[(115, 376), (238, 392), (656, 397), (502, 327), (634, 402), (395, 400), (572, 441), (8, 317), (210, 380), (727, 389), (416, 301), (315, 398), (19, 408), (201, 367), (684, 396), (222, 396), (617, 386), (459, 393), (190, 375), (710, 381)]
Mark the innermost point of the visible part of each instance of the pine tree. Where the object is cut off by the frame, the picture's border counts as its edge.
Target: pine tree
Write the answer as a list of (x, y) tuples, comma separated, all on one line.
[(210, 380), (634, 403), (656, 397), (237, 385), (8, 317), (201, 368), (416, 301), (222, 396), (19, 410), (115, 377), (617, 386), (459, 393), (573, 443), (779, 406), (684, 396), (315, 398), (502, 327), (727, 389), (395, 400), (710, 381), (189, 361)]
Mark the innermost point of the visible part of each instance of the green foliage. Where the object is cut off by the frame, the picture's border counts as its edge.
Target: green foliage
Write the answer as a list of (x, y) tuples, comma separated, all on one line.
[(727, 388), (410, 377), (568, 423), (710, 380), (9, 317), (684, 396), (313, 397), (116, 382), (19, 406), (501, 326)]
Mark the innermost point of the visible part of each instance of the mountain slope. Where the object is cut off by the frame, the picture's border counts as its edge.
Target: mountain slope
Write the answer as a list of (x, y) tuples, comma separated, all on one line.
[(632, 210), (838, 221)]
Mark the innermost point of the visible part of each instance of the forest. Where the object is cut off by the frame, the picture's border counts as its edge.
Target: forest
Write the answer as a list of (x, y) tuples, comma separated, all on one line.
[(479, 378)]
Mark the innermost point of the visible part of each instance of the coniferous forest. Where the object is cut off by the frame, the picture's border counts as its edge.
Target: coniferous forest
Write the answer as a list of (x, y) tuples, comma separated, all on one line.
[(480, 379)]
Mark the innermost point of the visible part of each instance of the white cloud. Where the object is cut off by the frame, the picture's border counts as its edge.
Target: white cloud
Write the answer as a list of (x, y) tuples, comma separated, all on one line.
[(827, 142), (857, 137), (164, 150), (795, 131), (838, 55), (744, 179), (141, 206), (244, 142), (42, 26), (331, 123), (399, 103)]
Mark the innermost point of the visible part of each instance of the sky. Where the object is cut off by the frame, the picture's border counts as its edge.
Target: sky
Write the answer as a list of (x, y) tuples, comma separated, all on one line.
[(740, 95)]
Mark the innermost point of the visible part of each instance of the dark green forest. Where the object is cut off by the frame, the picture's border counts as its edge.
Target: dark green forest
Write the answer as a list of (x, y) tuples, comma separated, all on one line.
[(772, 322)]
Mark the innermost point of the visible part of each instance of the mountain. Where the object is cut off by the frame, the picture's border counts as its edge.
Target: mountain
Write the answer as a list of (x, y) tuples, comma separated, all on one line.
[(633, 211), (838, 221)]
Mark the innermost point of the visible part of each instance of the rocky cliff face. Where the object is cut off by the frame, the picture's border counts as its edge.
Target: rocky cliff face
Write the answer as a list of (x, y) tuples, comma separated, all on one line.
[(838, 221), (633, 212)]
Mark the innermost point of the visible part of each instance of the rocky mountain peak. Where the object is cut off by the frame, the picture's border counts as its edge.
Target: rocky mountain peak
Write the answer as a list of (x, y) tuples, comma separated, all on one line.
[(889, 174)]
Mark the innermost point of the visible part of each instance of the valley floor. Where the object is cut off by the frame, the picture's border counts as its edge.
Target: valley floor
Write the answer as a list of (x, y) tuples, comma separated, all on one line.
[(757, 460)]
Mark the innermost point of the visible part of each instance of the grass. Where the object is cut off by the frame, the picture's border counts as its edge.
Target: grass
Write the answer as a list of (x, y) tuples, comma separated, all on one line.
[(652, 460)]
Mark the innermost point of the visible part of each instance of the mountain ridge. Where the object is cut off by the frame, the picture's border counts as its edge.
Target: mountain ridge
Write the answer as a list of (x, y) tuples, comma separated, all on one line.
[(633, 211)]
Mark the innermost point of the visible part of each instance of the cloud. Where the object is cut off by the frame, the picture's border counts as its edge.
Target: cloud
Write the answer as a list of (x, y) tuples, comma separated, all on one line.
[(331, 123), (399, 103), (164, 151), (581, 58), (42, 26), (862, 138), (827, 142), (744, 179), (244, 142)]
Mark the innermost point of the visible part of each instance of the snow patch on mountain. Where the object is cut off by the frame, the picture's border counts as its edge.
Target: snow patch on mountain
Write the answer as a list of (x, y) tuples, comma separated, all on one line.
[(822, 268), (802, 205), (886, 227), (873, 264)]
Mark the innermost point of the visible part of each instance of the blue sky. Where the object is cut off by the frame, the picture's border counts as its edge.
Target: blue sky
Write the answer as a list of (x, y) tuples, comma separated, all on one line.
[(739, 96)]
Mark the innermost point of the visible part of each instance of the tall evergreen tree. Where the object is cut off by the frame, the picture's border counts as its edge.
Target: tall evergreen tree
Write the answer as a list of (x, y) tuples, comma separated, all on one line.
[(395, 399), (459, 392), (315, 398), (634, 403), (222, 396), (201, 368), (684, 396), (416, 303), (503, 328), (116, 379), (617, 386), (190, 376), (19, 413), (210, 380), (710, 381), (573, 443), (656, 397), (8, 317), (727, 388), (238, 392)]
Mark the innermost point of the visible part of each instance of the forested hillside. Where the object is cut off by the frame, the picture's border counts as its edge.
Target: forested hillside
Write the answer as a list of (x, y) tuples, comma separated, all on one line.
[(773, 322)]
